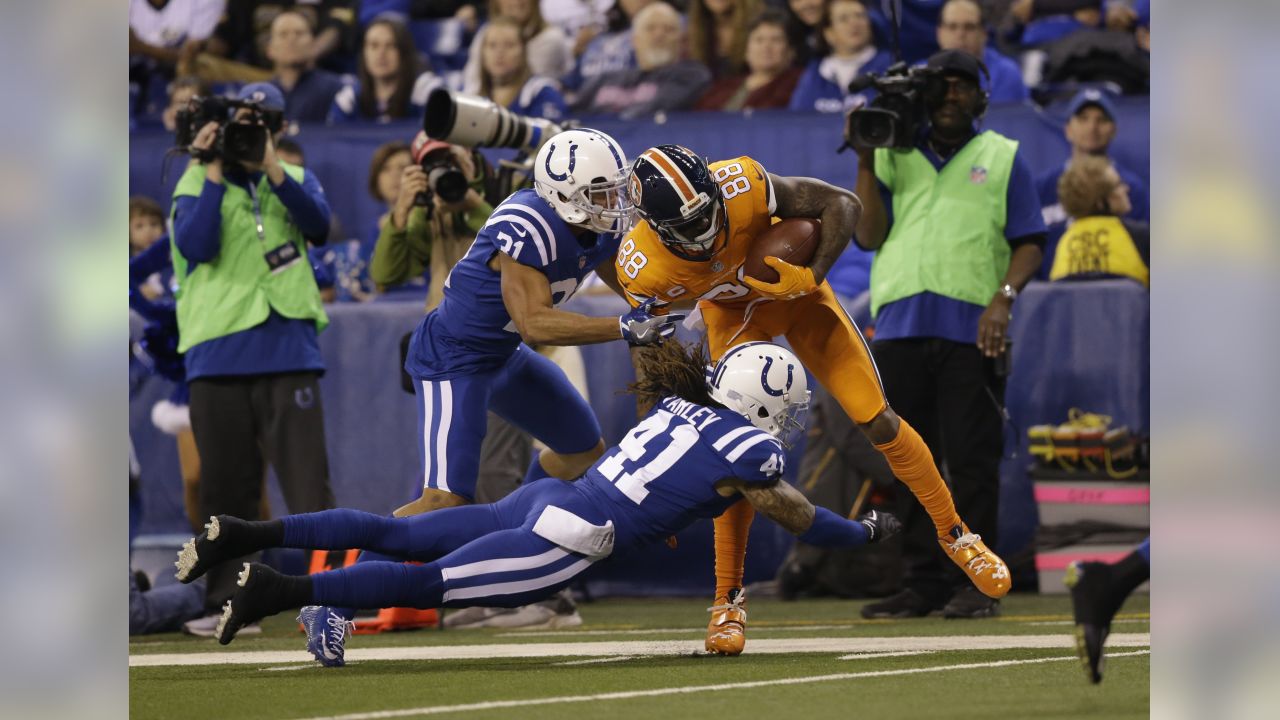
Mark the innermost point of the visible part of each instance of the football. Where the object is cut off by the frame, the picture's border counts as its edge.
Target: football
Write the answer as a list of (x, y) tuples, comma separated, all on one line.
[(793, 240)]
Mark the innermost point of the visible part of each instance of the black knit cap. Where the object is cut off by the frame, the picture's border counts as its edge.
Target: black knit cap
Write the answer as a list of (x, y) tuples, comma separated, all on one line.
[(959, 61)]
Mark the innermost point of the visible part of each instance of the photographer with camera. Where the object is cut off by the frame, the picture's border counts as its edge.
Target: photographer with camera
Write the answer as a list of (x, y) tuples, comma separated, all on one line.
[(249, 312), (953, 217), (435, 217)]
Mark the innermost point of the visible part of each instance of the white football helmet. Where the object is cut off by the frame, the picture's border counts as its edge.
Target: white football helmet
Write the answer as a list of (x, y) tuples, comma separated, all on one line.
[(766, 384), (584, 175)]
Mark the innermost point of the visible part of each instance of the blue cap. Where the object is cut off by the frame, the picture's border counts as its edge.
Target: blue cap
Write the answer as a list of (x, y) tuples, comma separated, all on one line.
[(268, 95), (1092, 96)]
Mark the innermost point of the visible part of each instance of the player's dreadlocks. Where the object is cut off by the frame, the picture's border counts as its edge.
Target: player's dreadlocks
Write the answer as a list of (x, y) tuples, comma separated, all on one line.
[(672, 368)]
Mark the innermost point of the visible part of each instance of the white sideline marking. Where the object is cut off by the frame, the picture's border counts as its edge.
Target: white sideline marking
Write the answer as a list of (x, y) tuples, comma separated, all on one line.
[(596, 661), (872, 655), (662, 631), (1116, 621), (768, 646), (500, 704)]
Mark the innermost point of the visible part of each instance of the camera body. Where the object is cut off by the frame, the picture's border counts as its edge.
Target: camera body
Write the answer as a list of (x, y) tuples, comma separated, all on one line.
[(896, 115), (445, 176), (236, 141)]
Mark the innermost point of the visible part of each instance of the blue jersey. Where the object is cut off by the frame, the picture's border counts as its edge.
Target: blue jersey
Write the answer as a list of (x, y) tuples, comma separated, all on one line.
[(471, 330), (662, 476)]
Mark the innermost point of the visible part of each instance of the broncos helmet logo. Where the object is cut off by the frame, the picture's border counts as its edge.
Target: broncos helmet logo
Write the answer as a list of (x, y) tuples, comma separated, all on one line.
[(637, 190)]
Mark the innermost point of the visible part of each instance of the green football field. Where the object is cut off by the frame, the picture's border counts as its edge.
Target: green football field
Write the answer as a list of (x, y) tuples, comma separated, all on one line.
[(643, 659)]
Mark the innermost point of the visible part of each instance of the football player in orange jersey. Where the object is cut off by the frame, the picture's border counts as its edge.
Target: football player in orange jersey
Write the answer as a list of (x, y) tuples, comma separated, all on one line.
[(698, 223)]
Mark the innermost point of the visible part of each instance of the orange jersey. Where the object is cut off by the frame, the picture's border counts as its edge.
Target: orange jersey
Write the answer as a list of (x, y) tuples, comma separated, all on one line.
[(646, 268)]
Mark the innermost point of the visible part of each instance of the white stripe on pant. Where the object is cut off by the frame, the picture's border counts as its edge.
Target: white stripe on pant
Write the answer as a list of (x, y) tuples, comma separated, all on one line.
[(518, 586), (439, 460), (497, 566)]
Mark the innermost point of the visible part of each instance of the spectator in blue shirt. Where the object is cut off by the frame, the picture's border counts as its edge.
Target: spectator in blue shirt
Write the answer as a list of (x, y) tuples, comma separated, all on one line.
[(506, 79), (848, 50), (1134, 17), (389, 85), (308, 92), (660, 82), (248, 315), (1091, 126), (962, 26), (1039, 22), (609, 51)]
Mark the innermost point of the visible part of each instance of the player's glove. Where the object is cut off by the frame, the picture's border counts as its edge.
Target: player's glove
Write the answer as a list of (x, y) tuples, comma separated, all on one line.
[(643, 326), (793, 281), (880, 525)]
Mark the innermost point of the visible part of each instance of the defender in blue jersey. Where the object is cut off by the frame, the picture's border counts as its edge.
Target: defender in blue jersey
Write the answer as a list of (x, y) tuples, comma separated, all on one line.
[(710, 440), (471, 354)]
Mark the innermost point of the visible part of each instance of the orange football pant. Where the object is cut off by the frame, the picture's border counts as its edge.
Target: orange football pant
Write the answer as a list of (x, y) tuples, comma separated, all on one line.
[(831, 347)]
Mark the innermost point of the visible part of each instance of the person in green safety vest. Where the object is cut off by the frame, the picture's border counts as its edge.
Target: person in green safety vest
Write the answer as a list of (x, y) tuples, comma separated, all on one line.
[(956, 227), (249, 313)]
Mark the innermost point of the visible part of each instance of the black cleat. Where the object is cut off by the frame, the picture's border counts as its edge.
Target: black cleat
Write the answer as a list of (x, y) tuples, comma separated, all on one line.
[(906, 604), (259, 596), (221, 540), (1093, 607), (969, 602), (880, 525)]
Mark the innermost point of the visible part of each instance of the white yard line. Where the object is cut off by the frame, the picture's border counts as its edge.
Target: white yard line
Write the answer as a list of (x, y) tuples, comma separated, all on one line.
[(841, 646), (504, 704)]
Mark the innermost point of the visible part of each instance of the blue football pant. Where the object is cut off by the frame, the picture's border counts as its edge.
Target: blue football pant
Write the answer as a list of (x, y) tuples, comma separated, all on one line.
[(477, 555), (529, 391)]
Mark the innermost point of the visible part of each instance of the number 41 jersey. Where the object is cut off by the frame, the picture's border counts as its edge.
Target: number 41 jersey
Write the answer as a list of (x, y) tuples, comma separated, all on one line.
[(662, 476), (646, 268)]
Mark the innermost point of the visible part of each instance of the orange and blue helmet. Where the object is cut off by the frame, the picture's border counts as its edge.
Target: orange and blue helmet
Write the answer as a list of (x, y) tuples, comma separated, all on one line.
[(674, 191)]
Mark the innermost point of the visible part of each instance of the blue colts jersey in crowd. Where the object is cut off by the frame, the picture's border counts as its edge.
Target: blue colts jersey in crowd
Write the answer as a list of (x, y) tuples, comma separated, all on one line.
[(471, 330), (662, 476)]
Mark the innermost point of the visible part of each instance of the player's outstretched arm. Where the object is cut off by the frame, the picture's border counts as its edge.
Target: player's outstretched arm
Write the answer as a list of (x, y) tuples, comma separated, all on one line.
[(526, 292), (781, 503), (838, 209), (817, 526)]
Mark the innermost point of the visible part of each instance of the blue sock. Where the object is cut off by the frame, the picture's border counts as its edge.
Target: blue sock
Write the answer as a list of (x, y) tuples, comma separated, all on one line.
[(1144, 551), (535, 471), (340, 529), (378, 585), (831, 530), (333, 529)]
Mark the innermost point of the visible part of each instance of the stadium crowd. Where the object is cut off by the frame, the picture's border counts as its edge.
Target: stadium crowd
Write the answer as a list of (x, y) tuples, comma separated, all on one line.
[(370, 62)]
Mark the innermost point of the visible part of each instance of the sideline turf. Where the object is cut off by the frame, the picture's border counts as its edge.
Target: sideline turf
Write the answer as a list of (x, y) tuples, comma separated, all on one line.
[(1055, 689)]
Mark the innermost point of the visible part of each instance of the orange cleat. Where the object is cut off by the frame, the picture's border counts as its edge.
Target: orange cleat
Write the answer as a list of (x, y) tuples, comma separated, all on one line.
[(985, 569), (398, 619), (727, 631)]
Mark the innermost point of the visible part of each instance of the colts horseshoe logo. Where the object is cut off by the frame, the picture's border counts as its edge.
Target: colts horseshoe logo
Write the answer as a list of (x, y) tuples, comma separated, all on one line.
[(573, 160), (764, 378)]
